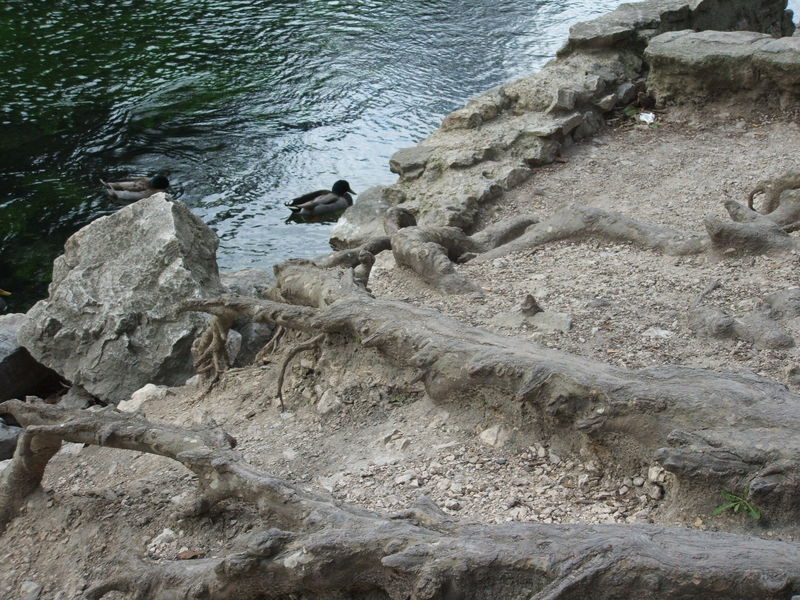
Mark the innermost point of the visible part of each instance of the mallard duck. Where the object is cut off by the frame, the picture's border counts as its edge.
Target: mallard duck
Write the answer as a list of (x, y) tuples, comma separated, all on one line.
[(136, 188), (3, 305), (323, 202)]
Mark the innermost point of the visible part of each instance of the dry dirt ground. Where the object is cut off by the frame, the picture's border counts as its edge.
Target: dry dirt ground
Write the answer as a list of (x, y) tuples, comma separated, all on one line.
[(373, 438)]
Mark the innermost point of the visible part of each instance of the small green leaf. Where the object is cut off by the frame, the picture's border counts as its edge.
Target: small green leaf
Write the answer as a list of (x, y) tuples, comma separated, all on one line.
[(737, 503), (721, 509)]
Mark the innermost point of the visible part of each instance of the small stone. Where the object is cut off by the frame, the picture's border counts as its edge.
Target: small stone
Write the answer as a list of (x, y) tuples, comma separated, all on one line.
[(328, 403), (500, 461), (655, 473), (142, 395), (656, 492), (451, 504), (623, 490), (30, 590), (392, 435), (638, 481), (404, 478), (494, 436), (194, 380), (519, 513), (164, 537), (554, 458), (563, 99), (607, 102), (625, 92), (656, 333)]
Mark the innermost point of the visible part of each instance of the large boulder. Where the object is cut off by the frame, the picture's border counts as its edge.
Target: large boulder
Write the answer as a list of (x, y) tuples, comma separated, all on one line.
[(20, 374), (109, 324), (741, 67)]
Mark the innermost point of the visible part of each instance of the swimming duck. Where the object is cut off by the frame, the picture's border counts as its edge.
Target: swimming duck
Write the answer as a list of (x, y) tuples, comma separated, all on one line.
[(323, 202), (3, 305), (136, 188)]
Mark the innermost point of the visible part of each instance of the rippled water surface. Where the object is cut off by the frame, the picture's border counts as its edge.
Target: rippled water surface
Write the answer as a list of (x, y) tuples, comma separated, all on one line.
[(243, 104)]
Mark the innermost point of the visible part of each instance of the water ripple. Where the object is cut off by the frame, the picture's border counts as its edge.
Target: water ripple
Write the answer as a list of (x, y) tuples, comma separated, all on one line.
[(243, 104)]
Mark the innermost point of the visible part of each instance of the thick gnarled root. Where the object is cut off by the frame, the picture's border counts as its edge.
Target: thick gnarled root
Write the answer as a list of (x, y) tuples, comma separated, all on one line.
[(772, 190), (326, 549)]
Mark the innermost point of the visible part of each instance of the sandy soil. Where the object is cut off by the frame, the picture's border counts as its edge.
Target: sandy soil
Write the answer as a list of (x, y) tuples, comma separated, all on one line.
[(377, 441)]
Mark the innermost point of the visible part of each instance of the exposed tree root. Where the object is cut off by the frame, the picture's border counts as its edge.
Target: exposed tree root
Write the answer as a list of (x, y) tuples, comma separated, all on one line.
[(713, 429), (710, 430), (787, 212), (749, 231), (760, 327), (431, 251), (312, 343), (23, 476), (772, 190), (576, 221), (324, 549), (270, 346), (47, 425), (209, 350)]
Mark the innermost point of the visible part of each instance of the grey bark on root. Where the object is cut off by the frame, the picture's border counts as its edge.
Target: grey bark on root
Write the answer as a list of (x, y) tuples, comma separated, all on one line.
[(772, 189), (749, 231), (318, 547), (667, 414)]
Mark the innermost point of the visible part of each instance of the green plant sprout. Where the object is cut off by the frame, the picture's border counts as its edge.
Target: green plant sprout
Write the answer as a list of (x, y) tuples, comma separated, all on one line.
[(737, 503)]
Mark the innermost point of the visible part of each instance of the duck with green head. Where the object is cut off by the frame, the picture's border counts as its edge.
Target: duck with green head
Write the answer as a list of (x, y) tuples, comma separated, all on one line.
[(136, 188), (323, 202)]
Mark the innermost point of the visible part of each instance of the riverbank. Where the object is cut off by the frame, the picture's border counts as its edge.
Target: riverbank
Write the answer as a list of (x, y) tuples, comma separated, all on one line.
[(380, 443), (241, 122), (361, 424)]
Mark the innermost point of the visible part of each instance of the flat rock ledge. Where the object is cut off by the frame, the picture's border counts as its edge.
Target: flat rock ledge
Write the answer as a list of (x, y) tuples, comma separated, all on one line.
[(741, 67), (493, 143)]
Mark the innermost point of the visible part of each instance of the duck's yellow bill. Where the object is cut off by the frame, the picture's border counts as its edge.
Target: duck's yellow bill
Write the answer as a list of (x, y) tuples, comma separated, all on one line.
[(4, 293)]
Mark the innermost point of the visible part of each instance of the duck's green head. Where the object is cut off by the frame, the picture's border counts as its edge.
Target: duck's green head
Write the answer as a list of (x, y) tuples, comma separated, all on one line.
[(159, 182), (341, 187)]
